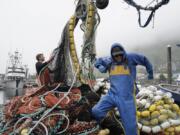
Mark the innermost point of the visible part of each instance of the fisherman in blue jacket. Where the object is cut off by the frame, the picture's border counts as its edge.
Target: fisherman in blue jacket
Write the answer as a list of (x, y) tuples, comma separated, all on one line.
[(122, 74)]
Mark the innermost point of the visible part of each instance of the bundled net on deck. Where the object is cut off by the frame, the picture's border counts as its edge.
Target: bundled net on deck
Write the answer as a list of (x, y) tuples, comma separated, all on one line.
[(22, 113)]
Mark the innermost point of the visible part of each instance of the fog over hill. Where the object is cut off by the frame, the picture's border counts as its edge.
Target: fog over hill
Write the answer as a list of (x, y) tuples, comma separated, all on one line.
[(157, 53)]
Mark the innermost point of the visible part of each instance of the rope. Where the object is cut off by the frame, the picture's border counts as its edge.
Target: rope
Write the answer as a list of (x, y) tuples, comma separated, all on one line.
[(42, 126), (52, 89), (14, 129), (40, 110), (46, 113), (91, 131), (147, 8), (150, 3), (61, 114), (6, 125), (147, 21)]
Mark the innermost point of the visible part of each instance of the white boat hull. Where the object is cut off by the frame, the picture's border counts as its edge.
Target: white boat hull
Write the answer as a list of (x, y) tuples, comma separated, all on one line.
[(14, 88), (2, 97)]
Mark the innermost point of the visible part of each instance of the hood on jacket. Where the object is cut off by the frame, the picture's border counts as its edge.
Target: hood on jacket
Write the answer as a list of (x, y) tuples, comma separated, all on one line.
[(118, 45)]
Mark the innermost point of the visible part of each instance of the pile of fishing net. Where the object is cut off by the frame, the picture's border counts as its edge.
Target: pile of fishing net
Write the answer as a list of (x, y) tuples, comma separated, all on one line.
[(59, 109), (157, 112), (50, 110)]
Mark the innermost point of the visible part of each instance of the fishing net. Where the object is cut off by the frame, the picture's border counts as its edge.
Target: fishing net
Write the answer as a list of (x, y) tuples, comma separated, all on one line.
[(140, 5), (32, 113)]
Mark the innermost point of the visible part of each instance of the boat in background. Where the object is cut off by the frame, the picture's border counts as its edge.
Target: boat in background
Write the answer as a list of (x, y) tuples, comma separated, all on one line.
[(1, 81), (15, 76), (174, 89)]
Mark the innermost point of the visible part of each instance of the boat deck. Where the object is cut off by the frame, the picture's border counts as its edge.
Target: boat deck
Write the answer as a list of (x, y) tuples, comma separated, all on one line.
[(174, 89)]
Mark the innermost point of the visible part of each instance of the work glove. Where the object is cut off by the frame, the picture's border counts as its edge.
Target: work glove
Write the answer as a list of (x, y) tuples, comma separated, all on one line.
[(101, 68)]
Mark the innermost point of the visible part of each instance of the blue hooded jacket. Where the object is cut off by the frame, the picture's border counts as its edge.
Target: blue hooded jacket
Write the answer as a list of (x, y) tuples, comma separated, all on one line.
[(128, 64)]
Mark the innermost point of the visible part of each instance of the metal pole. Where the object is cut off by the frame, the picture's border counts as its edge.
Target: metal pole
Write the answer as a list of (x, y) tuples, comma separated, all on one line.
[(169, 64)]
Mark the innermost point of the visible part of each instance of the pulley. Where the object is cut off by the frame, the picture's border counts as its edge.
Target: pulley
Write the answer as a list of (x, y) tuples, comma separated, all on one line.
[(102, 4)]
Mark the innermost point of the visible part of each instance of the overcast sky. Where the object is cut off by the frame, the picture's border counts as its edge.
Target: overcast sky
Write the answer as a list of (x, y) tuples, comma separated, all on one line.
[(33, 26)]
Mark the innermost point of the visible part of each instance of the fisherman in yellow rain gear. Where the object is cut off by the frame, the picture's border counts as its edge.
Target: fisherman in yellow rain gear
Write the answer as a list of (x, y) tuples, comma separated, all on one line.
[(122, 74)]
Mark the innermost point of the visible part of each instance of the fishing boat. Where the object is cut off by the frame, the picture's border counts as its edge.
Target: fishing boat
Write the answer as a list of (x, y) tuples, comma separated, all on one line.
[(174, 89), (15, 76)]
